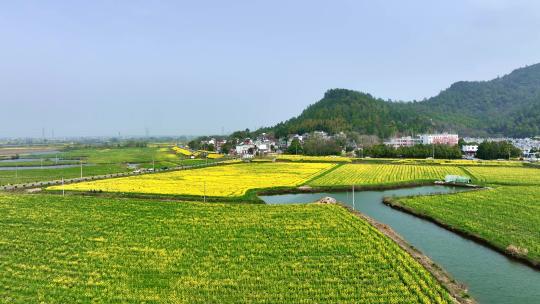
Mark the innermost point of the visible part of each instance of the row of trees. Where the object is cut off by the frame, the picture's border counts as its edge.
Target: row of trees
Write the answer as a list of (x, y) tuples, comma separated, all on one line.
[(497, 150), (417, 151), (315, 146)]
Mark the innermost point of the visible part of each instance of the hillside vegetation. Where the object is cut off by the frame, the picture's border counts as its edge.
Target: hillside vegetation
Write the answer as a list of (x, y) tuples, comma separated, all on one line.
[(508, 105)]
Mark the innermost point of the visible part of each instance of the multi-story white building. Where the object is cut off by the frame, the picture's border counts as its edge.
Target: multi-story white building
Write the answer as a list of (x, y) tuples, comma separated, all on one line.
[(439, 139), (405, 141)]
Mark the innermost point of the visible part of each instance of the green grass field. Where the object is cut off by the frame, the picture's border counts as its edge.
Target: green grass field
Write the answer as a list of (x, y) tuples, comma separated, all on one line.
[(162, 156), (101, 161), (383, 174), (48, 174), (88, 249), (504, 216), (37, 163), (505, 175)]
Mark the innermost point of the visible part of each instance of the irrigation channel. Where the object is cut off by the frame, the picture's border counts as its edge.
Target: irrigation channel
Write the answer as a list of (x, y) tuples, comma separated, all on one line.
[(490, 276)]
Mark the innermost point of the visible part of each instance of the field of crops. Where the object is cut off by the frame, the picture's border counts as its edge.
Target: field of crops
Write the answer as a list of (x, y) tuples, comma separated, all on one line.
[(381, 174), (89, 249), (506, 215), (123, 155), (223, 181), (505, 175), (452, 162)]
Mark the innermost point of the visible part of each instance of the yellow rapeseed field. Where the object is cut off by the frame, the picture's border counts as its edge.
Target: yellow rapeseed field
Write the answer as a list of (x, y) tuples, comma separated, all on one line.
[(225, 181), (380, 174), (182, 151)]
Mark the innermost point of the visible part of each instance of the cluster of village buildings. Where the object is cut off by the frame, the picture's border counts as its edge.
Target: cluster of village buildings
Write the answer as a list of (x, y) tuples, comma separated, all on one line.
[(265, 144), (530, 147)]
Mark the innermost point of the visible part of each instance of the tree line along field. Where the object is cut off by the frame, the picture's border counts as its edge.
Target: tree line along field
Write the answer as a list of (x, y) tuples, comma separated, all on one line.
[(82, 249), (504, 216), (219, 181)]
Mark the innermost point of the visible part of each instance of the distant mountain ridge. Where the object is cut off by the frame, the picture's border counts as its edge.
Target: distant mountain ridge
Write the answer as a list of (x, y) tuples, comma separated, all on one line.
[(505, 106)]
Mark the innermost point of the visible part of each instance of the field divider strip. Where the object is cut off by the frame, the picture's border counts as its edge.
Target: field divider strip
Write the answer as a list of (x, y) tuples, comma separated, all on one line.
[(338, 165)]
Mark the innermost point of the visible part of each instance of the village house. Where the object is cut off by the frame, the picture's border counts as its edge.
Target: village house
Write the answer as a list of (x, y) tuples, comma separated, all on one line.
[(292, 137), (469, 150)]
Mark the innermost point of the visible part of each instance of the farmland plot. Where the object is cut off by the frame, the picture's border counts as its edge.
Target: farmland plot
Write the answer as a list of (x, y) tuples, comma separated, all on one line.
[(381, 174), (506, 175), (91, 249), (223, 181), (504, 216)]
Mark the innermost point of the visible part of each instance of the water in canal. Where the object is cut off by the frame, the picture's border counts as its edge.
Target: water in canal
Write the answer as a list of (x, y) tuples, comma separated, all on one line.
[(490, 276)]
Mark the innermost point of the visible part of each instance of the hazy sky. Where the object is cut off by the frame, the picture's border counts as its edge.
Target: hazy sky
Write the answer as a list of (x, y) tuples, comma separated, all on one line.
[(193, 67)]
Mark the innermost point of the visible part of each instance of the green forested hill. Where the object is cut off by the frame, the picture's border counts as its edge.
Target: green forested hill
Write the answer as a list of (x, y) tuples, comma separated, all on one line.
[(508, 105)]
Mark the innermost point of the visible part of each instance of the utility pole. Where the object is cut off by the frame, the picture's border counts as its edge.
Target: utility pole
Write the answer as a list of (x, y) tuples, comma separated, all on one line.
[(81, 168), (153, 165), (63, 191), (433, 150)]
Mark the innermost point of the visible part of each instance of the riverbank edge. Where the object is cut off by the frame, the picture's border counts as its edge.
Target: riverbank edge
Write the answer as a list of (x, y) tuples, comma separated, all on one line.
[(395, 204), (457, 290), (374, 187)]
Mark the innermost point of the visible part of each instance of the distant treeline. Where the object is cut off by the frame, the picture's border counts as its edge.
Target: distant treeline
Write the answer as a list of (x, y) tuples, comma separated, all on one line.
[(497, 150), (316, 147), (417, 151)]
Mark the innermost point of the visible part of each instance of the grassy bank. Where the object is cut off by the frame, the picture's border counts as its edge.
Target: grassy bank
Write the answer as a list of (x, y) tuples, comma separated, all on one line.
[(506, 217)]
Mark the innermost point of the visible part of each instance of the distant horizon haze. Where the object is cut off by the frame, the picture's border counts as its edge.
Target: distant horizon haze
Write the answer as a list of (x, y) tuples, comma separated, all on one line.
[(189, 68)]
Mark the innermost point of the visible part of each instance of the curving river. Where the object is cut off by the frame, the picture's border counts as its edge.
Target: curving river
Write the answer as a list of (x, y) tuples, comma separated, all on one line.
[(490, 276)]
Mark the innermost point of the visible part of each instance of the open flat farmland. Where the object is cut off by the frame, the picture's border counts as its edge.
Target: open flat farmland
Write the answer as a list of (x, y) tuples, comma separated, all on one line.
[(89, 249), (381, 174), (222, 181), (49, 174), (145, 156), (505, 175), (504, 216)]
